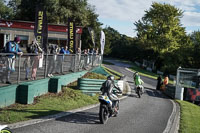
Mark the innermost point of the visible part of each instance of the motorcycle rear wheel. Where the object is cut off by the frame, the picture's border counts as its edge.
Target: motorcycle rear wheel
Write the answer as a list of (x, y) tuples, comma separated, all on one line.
[(103, 114), (138, 92)]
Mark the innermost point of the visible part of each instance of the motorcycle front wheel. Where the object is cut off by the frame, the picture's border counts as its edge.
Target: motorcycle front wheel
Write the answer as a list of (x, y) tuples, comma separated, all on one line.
[(103, 114), (5, 130)]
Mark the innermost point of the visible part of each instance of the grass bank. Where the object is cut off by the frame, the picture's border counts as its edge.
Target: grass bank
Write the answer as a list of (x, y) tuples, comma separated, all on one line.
[(190, 117), (47, 104)]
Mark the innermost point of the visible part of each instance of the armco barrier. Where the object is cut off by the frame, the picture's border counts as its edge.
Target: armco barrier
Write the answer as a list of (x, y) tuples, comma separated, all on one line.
[(25, 92), (89, 86)]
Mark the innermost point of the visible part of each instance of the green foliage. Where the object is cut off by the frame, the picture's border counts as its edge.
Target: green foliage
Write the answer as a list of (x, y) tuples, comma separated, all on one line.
[(120, 46), (58, 12), (160, 31), (194, 49), (160, 28), (5, 12)]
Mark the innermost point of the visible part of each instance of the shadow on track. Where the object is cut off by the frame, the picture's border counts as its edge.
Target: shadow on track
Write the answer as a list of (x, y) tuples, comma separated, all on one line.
[(149, 92), (156, 93), (81, 118)]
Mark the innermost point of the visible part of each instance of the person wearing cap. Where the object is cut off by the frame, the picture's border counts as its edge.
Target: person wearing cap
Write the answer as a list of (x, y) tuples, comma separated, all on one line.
[(12, 47)]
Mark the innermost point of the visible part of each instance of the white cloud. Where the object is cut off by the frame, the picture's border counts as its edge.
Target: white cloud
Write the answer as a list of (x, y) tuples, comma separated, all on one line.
[(191, 19), (133, 10)]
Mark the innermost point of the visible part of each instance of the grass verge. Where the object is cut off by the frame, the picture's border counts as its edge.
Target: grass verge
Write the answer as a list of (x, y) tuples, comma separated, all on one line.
[(190, 117)]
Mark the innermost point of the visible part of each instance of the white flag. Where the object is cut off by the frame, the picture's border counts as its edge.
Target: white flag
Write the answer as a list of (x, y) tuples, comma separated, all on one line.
[(102, 42)]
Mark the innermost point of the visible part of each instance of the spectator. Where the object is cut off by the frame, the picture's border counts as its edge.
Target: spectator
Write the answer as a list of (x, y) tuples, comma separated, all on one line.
[(85, 58), (27, 66), (159, 82), (51, 60), (166, 80), (78, 52), (97, 51), (28, 61), (12, 47), (63, 51), (30, 49), (35, 48)]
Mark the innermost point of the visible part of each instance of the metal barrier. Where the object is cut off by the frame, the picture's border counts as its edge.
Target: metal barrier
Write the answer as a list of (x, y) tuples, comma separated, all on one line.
[(40, 66)]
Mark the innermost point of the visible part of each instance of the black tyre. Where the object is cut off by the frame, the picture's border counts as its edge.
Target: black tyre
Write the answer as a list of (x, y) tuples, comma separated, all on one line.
[(6, 130), (103, 114), (138, 92)]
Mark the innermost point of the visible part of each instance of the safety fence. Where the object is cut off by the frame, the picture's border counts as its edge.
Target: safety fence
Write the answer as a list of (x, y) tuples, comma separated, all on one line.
[(16, 69)]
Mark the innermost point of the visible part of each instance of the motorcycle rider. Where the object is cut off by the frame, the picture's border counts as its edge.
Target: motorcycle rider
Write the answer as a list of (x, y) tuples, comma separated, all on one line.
[(107, 89), (138, 81)]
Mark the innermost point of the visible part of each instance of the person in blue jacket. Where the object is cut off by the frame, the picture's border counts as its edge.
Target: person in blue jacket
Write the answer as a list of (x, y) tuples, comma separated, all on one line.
[(63, 51), (12, 47)]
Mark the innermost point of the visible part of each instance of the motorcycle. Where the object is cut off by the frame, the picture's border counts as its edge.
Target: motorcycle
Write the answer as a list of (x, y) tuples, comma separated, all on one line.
[(139, 90), (107, 109), (5, 129)]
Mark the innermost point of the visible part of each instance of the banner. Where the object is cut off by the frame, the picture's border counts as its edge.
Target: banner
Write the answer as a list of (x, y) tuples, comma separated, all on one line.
[(71, 36), (91, 31), (102, 42), (41, 28)]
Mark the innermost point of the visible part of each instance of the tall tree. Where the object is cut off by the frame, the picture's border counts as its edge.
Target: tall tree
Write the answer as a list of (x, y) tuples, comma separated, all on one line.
[(160, 28), (58, 12)]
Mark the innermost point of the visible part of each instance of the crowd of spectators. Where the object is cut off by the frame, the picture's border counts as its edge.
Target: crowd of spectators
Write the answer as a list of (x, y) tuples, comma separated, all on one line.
[(34, 58)]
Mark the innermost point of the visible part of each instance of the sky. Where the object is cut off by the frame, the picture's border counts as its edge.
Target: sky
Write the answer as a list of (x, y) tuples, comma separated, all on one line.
[(121, 14)]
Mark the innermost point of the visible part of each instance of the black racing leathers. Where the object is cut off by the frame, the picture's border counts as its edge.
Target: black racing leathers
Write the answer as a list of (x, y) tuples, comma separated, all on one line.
[(107, 89)]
